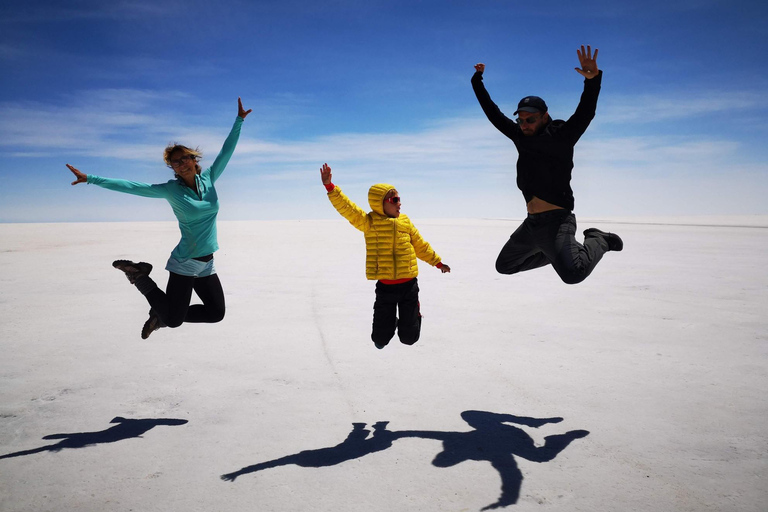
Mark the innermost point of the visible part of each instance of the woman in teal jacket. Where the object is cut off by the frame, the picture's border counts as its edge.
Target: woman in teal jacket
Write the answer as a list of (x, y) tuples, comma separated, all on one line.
[(193, 198)]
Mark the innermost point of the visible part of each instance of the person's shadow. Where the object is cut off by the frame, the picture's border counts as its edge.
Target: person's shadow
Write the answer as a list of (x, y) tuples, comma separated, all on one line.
[(497, 442), (125, 429), (492, 440), (356, 445)]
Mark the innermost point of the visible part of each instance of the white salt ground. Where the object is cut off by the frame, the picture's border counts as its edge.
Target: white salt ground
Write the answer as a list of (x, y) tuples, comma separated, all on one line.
[(661, 355)]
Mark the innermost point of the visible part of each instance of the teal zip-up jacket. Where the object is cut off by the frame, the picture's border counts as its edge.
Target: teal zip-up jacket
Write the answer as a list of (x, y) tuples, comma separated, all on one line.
[(196, 211)]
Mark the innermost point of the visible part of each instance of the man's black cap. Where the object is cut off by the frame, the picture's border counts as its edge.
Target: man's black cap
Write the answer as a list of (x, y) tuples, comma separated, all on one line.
[(531, 104)]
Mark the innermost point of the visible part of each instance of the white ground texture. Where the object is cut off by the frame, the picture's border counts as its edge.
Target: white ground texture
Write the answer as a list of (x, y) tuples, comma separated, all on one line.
[(655, 369)]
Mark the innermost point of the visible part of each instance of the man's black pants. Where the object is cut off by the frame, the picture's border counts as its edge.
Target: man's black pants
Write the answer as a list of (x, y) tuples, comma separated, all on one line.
[(549, 238), (390, 298)]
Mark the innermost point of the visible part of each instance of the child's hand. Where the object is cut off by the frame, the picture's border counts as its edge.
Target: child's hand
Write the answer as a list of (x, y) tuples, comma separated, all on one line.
[(325, 174), (445, 268)]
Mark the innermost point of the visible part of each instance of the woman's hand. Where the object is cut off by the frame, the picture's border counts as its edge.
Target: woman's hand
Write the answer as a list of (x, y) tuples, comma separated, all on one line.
[(81, 178), (241, 112)]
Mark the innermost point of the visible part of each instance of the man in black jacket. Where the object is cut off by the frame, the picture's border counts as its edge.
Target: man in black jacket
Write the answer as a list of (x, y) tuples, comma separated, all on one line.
[(544, 165)]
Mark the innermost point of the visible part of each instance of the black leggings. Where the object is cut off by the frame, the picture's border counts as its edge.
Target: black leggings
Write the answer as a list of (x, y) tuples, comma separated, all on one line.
[(549, 238), (172, 306), (390, 298)]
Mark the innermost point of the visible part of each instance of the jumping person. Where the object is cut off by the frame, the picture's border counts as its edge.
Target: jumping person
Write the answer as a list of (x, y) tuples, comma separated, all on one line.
[(392, 244), (544, 165), (193, 198)]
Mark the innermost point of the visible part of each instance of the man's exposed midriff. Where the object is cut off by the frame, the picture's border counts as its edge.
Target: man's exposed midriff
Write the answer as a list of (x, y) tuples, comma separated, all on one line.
[(537, 205)]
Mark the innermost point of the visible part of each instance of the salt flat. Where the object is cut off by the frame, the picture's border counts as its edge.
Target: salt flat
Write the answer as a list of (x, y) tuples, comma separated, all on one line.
[(641, 389)]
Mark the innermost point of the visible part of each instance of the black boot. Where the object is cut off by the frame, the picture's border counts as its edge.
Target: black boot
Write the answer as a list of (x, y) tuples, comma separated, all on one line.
[(151, 325), (612, 239), (132, 270)]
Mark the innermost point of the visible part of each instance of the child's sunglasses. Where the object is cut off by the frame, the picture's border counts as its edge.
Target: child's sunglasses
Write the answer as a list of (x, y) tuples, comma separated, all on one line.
[(393, 200)]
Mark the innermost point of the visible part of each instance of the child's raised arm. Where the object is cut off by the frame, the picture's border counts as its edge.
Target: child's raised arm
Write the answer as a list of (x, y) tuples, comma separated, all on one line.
[(349, 210)]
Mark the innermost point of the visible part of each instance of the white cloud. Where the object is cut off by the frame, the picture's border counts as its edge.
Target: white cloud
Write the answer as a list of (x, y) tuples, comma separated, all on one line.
[(36, 12), (131, 124), (657, 153), (108, 123), (628, 174), (655, 108)]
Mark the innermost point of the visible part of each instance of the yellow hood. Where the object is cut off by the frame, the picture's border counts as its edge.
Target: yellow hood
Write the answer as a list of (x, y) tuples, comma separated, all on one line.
[(376, 196)]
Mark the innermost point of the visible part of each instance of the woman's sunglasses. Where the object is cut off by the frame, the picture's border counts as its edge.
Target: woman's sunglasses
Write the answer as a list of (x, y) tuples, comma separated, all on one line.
[(178, 161)]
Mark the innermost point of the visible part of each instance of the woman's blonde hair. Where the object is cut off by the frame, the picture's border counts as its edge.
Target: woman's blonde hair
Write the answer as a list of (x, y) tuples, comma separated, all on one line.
[(196, 153)]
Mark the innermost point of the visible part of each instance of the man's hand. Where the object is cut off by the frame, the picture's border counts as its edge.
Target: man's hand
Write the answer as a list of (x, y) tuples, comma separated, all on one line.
[(588, 62), (81, 178), (325, 174), (445, 268), (241, 111), (480, 67)]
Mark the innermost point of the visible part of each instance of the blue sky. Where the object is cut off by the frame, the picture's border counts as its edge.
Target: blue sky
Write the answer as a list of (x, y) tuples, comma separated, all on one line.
[(380, 90)]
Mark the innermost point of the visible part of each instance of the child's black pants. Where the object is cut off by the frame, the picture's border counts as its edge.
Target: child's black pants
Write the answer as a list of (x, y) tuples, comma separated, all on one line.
[(389, 299)]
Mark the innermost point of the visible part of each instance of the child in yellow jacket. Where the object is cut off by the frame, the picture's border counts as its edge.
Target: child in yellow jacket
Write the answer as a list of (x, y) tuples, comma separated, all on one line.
[(392, 244)]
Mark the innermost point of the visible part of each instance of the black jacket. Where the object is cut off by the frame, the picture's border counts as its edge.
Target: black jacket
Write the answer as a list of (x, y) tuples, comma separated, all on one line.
[(545, 160)]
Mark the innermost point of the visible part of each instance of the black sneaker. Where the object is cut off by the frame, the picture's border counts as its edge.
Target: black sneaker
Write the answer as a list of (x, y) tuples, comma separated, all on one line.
[(612, 239), (132, 270), (151, 325)]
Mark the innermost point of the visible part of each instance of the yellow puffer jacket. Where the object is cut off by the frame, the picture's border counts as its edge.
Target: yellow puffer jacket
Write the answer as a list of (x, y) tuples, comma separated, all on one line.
[(391, 245)]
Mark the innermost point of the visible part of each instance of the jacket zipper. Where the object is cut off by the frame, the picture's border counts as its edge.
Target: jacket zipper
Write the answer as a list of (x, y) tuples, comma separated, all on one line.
[(394, 249)]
